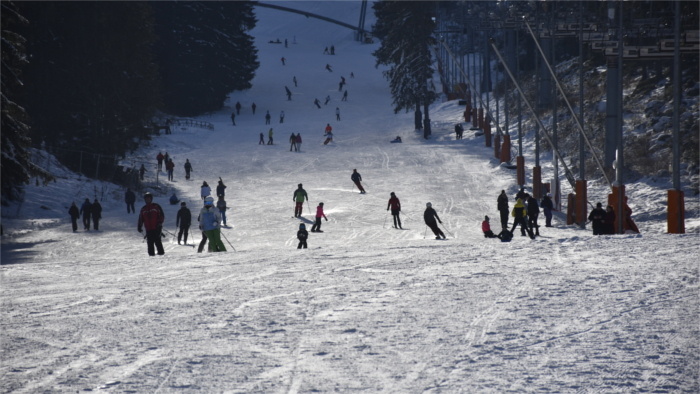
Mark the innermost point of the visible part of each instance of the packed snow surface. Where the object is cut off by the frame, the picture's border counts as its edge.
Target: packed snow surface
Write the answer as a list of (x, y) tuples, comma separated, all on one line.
[(366, 308)]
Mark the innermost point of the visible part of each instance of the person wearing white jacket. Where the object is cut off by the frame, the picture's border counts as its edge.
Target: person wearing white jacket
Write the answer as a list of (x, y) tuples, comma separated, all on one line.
[(210, 223)]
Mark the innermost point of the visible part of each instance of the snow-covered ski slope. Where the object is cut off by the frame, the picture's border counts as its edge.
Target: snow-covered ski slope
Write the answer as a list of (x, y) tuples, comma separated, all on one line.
[(366, 308)]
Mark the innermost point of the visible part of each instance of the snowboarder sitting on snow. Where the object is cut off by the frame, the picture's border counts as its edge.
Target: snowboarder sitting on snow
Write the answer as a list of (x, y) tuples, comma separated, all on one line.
[(429, 217), (395, 140), (173, 199), (299, 197), (302, 235), (486, 228), (316, 228)]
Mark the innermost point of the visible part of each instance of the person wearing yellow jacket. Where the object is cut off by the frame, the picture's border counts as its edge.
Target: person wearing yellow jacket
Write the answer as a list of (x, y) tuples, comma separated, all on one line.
[(519, 213)]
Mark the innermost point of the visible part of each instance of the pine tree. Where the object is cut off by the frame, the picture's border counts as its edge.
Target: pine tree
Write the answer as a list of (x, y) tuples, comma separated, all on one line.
[(16, 166), (406, 33), (204, 53)]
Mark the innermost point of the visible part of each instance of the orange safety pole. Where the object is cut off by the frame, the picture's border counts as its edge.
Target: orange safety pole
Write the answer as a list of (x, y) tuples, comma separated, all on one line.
[(480, 123), (505, 150), (581, 201), (520, 170), (537, 182), (475, 117), (618, 192), (676, 212)]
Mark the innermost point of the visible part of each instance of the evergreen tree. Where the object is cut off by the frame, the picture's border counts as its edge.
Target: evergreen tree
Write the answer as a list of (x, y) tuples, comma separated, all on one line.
[(92, 83), (406, 33), (204, 53), (15, 166)]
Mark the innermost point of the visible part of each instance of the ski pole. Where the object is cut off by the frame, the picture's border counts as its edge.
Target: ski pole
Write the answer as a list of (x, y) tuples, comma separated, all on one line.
[(384, 225), (448, 231), (229, 242), (426, 231)]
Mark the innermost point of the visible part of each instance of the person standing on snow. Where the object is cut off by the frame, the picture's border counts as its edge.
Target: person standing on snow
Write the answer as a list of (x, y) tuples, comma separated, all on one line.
[(74, 215), (221, 206), (609, 220), (345, 96), (160, 158), (429, 217), (298, 141), (220, 188), (205, 190), (337, 114), (597, 216), (85, 211), (238, 107), (289, 94), (533, 211), (316, 228), (282, 117), (302, 235), (547, 207), (253, 108), (183, 222), (503, 209), (269, 136), (520, 214), (267, 117), (170, 168), (233, 118), (317, 103), (209, 222), (395, 206), (299, 197), (292, 142), (152, 217), (357, 179), (130, 200), (142, 171), (188, 169), (262, 139), (96, 213)]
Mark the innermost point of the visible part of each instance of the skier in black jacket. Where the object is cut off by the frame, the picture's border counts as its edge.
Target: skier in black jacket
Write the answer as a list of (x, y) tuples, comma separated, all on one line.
[(429, 217), (597, 216), (85, 211), (130, 200), (74, 215), (533, 211), (183, 221), (96, 213), (503, 209), (302, 235)]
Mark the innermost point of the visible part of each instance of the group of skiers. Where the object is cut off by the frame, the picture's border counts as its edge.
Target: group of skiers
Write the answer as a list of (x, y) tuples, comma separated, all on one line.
[(525, 213)]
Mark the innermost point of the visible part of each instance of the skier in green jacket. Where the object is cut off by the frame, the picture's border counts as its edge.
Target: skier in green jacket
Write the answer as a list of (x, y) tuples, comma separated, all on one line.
[(299, 197)]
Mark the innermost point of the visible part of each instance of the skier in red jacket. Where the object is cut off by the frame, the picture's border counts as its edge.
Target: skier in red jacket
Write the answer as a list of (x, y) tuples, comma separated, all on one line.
[(152, 217)]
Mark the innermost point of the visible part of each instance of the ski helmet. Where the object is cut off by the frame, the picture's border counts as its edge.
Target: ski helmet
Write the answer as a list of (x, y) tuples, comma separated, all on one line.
[(321, 204), (428, 205), (183, 204), (209, 200), (486, 218), (299, 185), (148, 195)]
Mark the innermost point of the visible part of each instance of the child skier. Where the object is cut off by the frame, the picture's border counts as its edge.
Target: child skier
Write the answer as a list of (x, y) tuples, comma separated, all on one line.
[(302, 235), (316, 228)]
